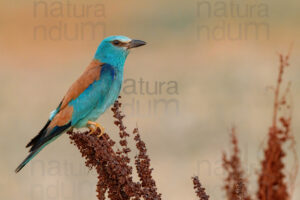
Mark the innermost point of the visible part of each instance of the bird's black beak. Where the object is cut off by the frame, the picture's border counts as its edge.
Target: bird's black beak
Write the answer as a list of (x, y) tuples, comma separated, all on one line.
[(136, 43)]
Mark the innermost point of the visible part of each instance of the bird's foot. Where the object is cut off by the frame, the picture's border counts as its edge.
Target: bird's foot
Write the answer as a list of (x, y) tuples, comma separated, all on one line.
[(93, 131)]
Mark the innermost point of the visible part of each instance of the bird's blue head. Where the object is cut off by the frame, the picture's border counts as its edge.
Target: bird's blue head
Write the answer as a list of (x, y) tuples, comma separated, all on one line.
[(114, 50)]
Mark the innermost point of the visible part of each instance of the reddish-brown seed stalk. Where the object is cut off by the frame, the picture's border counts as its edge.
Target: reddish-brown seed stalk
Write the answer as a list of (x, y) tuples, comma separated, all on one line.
[(115, 174)]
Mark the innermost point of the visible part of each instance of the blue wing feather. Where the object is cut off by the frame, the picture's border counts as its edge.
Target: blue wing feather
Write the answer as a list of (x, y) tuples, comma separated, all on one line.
[(94, 94), (83, 105)]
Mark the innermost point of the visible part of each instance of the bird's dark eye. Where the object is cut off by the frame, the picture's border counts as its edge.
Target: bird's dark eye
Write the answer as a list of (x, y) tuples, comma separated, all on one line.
[(116, 42)]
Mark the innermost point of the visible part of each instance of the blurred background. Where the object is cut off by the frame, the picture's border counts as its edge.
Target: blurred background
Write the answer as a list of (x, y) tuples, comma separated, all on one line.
[(208, 65)]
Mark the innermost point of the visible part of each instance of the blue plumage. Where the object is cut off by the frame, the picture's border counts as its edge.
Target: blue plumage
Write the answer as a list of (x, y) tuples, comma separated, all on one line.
[(89, 97), (94, 100)]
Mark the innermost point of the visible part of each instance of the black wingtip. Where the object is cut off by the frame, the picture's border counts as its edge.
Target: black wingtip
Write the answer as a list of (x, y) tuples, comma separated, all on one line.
[(34, 140)]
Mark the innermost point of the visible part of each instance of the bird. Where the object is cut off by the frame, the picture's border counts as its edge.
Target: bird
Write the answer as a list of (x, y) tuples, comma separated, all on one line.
[(89, 96)]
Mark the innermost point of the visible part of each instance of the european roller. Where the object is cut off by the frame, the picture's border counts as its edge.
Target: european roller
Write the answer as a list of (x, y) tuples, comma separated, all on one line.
[(89, 96)]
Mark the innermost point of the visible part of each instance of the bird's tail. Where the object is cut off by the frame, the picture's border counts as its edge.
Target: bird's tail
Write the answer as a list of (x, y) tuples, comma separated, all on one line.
[(29, 158), (39, 142)]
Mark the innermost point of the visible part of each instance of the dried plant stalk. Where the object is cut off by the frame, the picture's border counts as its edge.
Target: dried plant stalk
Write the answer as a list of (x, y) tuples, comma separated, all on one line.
[(115, 174), (235, 183), (200, 191), (272, 184)]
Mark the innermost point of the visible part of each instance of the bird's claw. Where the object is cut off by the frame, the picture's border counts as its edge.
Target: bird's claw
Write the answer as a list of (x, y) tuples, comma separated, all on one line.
[(99, 129)]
